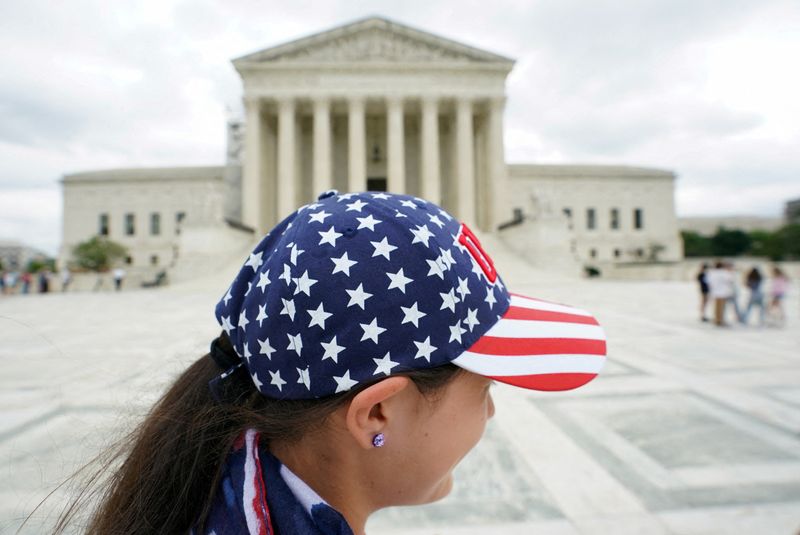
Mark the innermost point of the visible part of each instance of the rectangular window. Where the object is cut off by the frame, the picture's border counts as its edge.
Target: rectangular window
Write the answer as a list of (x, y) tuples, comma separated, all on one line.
[(179, 217), (590, 219), (154, 260), (617, 253), (130, 225), (102, 229), (638, 218), (593, 253), (155, 224), (614, 219)]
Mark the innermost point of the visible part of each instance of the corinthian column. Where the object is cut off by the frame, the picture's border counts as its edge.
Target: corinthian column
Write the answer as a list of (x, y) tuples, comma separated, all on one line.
[(431, 181), (286, 158), (496, 189), (323, 179), (465, 168), (357, 146), (253, 168), (395, 141)]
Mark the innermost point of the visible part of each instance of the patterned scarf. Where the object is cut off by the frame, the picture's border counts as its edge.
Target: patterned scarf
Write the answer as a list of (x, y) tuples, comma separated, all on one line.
[(257, 495)]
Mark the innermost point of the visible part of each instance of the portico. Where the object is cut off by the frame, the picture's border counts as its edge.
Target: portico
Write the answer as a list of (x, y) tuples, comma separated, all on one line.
[(374, 106)]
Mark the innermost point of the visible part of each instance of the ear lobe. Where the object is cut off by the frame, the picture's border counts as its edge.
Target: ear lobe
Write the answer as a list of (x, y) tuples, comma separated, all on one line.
[(371, 410)]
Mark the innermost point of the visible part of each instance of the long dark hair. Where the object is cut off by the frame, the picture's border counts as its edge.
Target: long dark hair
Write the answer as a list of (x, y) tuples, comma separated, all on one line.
[(162, 476)]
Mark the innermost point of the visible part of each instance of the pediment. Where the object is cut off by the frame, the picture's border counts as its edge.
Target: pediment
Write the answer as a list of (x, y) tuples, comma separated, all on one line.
[(374, 40)]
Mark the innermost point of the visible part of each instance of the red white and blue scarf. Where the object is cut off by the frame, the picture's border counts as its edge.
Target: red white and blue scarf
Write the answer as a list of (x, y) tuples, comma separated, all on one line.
[(257, 495)]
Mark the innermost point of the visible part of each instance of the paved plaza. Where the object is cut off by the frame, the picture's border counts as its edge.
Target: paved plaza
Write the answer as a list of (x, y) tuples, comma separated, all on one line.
[(690, 429)]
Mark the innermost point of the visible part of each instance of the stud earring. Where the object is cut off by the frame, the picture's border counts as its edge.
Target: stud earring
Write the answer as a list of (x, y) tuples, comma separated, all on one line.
[(378, 440)]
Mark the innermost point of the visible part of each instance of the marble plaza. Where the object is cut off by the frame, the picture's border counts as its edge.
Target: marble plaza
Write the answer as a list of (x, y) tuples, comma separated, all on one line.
[(689, 429)]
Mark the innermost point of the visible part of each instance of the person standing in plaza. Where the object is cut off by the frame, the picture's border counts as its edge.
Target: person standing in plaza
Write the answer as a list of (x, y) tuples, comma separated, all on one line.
[(780, 285), (733, 299), (721, 290), (66, 278), (754, 282), (119, 276), (703, 282)]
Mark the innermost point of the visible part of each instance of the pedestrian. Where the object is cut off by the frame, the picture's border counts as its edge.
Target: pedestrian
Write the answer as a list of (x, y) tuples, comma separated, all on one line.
[(780, 286), (360, 340), (733, 298), (754, 282), (703, 282), (66, 278), (26, 279), (44, 281), (720, 285), (119, 276)]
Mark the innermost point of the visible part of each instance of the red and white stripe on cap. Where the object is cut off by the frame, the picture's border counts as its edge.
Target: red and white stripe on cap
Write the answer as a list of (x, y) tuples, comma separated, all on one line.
[(540, 346)]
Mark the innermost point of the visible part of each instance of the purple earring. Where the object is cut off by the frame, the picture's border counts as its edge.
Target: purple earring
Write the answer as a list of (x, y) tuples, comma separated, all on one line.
[(378, 440)]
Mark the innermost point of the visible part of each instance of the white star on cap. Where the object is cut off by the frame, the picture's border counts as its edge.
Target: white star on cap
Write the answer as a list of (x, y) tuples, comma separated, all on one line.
[(345, 197), (344, 383), (265, 349), (246, 352), (286, 275), (357, 205), (421, 234), (371, 330), (384, 365), (358, 296), (263, 280), (412, 315), (304, 378), (276, 379), (254, 261), (408, 204), (295, 253), (249, 287), (368, 222), (329, 236), (295, 343), (227, 297), (318, 316), (304, 284), (398, 280), (262, 314), (449, 300), (288, 308), (256, 382), (399, 214), (319, 217), (435, 220), (424, 349), (447, 257), (472, 318), (243, 321), (463, 288), (436, 268), (380, 196), (383, 248), (226, 324), (456, 331), (490, 297), (332, 350), (343, 264), (445, 214)]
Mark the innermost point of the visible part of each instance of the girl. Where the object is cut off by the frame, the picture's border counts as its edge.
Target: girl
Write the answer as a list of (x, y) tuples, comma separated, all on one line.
[(359, 342)]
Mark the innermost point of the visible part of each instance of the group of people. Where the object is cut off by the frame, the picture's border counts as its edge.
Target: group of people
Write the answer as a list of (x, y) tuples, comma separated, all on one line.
[(12, 282), (718, 286)]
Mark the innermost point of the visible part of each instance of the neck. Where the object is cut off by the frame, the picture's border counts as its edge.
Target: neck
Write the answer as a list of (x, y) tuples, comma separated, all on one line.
[(331, 475)]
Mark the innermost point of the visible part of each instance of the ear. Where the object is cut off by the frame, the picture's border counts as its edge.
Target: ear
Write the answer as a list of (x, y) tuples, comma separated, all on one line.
[(371, 409)]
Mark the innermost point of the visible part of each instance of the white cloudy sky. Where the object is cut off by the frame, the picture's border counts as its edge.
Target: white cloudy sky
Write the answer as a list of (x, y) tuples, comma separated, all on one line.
[(708, 88)]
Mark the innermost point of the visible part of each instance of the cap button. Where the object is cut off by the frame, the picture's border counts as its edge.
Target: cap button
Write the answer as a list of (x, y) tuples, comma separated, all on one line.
[(329, 193)]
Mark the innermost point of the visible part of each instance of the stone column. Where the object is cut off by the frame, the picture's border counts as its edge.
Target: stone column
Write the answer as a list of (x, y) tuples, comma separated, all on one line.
[(499, 206), (431, 180), (357, 146), (395, 139), (465, 167), (323, 177), (287, 181), (252, 177)]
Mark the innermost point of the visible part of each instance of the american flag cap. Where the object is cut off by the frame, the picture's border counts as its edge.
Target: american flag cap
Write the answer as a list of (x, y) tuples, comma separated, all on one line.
[(359, 286)]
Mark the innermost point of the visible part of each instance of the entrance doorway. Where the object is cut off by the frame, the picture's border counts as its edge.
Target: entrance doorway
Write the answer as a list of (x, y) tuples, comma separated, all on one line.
[(376, 184)]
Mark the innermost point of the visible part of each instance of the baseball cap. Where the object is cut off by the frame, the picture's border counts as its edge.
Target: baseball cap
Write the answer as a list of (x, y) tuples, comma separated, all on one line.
[(358, 286)]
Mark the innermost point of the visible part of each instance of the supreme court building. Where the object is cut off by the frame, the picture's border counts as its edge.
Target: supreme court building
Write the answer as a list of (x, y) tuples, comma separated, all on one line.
[(377, 105)]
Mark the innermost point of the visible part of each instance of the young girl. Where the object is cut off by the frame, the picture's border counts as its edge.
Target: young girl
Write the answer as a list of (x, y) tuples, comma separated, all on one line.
[(359, 342)]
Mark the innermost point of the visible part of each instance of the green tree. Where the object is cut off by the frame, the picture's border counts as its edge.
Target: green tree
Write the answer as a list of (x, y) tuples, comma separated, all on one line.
[(38, 264), (695, 244), (729, 242), (97, 253)]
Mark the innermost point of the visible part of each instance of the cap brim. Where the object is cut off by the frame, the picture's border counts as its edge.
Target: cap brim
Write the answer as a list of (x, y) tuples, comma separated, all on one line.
[(539, 345)]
